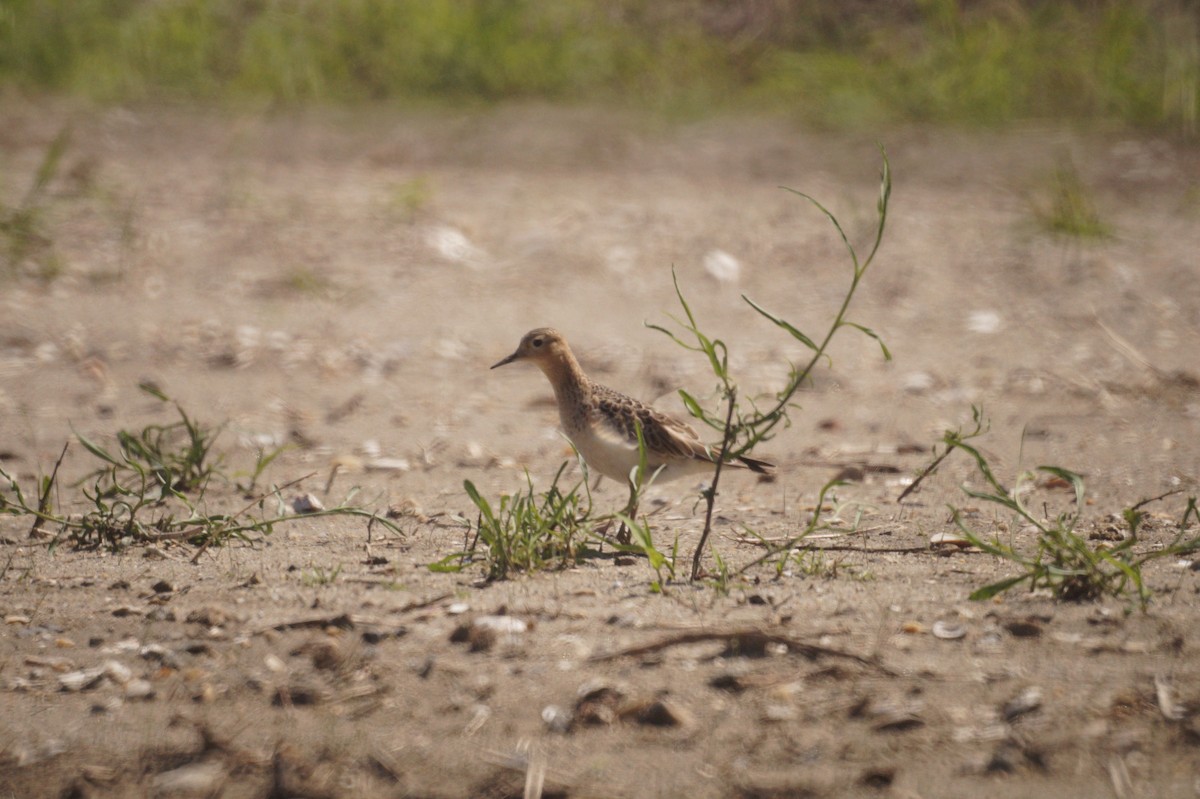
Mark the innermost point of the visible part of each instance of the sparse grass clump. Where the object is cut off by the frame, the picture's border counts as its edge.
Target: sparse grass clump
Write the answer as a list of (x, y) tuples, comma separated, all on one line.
[(525, 532), (153, 489), (1060, 559), (26, 242), (176, 457), (1067, 207), (410, 198)]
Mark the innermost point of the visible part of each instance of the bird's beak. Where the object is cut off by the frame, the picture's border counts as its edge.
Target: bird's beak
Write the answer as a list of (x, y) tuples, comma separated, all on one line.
[(507, 360)]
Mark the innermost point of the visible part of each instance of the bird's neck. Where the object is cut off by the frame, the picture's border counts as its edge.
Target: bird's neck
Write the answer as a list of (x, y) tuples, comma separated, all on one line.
[(570, 384)]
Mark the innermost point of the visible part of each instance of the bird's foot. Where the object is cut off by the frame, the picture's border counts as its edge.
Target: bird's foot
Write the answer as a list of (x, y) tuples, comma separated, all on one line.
[(623, 537)]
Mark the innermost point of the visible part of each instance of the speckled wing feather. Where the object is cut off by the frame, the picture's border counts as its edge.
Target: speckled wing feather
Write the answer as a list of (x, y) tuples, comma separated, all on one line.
[(662, 434)]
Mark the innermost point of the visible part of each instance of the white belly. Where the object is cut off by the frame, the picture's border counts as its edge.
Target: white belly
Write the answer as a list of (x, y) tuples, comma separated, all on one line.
[(616, 458)]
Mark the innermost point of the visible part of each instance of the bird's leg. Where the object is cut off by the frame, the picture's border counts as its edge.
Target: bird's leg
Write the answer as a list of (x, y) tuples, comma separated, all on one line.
[(631, 508)]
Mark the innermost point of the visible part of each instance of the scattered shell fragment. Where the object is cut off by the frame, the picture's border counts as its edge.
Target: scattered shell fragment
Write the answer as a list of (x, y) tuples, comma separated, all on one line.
[(26, 753), (483, 632), (307, 503), (556, 719), (405, 508), (779, 712), (501, 624), (917, 382), (898, 721), (157, 653), (209, 616), (118, 672), (81, 680), (984, 322), (722, 266), (99, 775), (453, 245), (620, 259), (139, 688), (948, 540), (948, 630), (388, 465), (1165, 692), (597, 703), (1027, 701), (194, 779), (59, 664)]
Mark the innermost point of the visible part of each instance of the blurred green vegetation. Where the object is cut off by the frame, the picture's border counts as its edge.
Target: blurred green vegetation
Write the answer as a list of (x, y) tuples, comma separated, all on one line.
[(836, 64)]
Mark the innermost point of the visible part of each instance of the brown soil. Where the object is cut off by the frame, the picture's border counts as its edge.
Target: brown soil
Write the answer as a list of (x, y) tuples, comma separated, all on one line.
[(284, 275)]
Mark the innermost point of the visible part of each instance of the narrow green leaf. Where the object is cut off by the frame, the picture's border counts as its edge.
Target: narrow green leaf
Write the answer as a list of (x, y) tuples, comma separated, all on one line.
[(97, 450), (153, 391), (1073, 478), (989, 591), (49, 166), (783, 323), (484, 507), (450, 564), (836, 224), (887, 355), (695, 409)]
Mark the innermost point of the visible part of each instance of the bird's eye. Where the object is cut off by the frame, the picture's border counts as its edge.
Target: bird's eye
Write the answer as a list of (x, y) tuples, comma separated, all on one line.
[(537, 342)]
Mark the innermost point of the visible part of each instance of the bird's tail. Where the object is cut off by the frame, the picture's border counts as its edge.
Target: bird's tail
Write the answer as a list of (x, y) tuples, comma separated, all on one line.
[(755, 465)]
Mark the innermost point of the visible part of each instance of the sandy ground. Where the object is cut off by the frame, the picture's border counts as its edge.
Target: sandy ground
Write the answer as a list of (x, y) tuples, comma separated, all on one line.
[(342, 283)]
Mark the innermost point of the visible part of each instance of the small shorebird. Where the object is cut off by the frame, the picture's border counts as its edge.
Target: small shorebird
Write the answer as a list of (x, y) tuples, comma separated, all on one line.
[(602, 423)]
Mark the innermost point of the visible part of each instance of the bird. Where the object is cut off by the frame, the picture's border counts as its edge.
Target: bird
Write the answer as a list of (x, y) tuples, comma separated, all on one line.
[(602, 424)]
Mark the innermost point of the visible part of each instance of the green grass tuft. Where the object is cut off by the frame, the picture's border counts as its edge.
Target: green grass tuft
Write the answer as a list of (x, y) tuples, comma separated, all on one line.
[(524, 532), (153, 489), (1068, 207), (938, 60), (1061, 560)]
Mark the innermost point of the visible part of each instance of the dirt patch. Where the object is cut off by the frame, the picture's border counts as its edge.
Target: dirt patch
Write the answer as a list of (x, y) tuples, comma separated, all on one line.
[(343, 283)]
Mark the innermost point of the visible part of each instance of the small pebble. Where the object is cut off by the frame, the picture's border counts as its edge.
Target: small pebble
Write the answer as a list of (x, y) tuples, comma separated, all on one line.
[(556, 719), (658, 713)]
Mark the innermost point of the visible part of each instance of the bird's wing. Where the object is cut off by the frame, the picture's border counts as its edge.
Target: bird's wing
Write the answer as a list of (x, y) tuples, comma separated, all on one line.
[(662, 433)]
